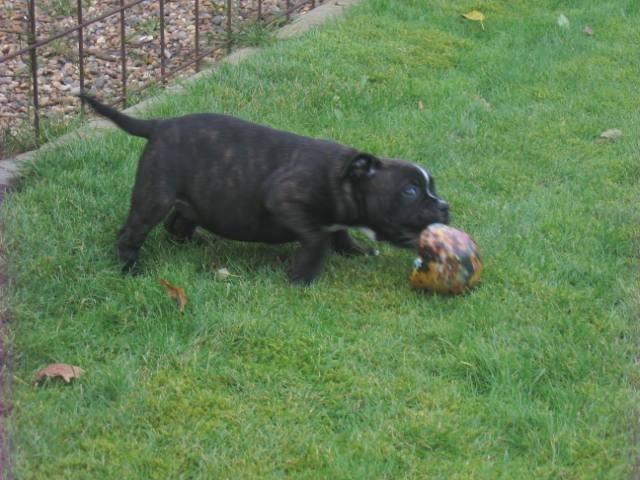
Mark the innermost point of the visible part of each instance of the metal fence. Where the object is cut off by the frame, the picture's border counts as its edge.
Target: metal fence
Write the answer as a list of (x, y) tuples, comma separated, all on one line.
[(169, 65)]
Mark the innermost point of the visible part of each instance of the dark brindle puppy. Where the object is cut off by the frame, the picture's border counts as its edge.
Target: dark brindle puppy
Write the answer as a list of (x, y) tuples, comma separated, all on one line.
[(252, 183)]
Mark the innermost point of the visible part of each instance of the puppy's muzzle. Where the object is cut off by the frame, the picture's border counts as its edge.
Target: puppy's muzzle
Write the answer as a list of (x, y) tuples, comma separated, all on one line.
[(443, 211)]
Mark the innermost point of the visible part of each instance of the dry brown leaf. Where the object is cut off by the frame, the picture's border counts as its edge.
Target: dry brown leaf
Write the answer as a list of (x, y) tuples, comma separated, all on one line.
[(611, 134), (563, 21), (482, 102), (62, 370), (420, 106), (222, 274), (475, 16), (588, 31), (176, 293)]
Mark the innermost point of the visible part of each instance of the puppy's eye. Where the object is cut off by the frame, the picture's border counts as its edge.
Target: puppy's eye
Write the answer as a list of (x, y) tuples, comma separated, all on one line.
[(410, 191)]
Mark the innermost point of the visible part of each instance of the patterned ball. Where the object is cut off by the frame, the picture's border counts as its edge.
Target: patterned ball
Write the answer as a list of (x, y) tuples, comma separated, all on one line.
[(449, 261)]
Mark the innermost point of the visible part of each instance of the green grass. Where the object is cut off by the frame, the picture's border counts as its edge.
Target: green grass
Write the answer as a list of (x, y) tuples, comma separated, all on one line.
[(532, 375)]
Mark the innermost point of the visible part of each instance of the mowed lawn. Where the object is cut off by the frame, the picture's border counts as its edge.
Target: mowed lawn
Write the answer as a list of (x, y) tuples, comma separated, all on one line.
[(532, 375)]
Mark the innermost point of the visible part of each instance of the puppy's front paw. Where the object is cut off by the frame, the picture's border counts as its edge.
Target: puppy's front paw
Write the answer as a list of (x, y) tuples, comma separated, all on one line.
[(301, 278), (129, 258), (351, 250), (130, 266)]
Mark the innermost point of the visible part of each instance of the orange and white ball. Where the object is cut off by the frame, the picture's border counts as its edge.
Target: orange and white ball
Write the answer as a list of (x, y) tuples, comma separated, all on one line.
[(449, 261)]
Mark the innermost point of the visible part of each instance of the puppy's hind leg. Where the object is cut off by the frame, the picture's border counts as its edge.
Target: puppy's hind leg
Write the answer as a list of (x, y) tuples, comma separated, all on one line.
[(151, 201), (142, 218)]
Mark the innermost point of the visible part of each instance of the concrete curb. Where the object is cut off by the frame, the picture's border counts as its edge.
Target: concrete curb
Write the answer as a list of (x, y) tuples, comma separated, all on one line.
[(10, 168)]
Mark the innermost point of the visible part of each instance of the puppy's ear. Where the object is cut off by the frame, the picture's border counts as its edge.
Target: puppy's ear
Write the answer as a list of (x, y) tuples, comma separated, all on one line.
[(361, 166)]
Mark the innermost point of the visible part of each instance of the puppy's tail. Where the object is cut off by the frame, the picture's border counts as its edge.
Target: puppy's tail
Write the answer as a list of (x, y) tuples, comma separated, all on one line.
[(133, 126)]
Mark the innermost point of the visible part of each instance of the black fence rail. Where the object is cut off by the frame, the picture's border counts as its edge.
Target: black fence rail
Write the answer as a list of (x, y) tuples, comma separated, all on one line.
[(171, 57)]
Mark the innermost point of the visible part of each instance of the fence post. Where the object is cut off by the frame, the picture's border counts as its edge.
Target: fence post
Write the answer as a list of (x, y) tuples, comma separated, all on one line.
[(123, 56), (34, 69), (259, 10), (81, 54), (162, 45), (228, 26), (197, 39)]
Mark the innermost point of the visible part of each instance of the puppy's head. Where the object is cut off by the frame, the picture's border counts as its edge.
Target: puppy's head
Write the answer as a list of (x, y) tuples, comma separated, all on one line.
[(398, 198)]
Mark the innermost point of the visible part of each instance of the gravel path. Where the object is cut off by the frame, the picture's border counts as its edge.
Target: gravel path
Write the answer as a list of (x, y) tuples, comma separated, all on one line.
[(58, 70)]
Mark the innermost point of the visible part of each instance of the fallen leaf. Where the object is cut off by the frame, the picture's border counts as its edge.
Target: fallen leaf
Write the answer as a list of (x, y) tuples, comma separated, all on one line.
[(475, 16), (420, 106), (611, 134), (483, 102), (176, 293), (66, 372), (222, 274), (588, 31), (563, 21)]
